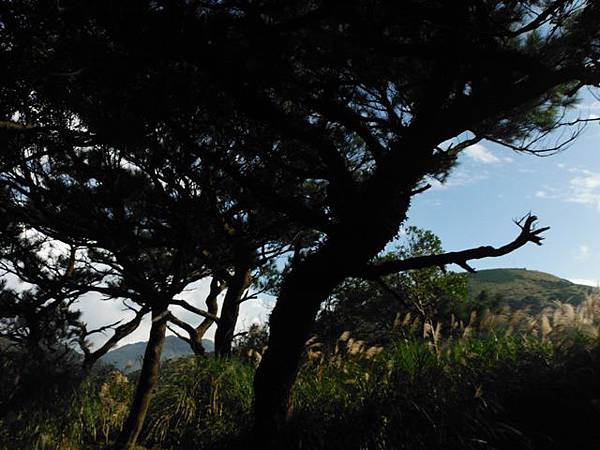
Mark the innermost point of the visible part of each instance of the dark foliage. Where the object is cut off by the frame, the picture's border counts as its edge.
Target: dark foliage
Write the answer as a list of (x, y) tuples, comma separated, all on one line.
[(330, 115)]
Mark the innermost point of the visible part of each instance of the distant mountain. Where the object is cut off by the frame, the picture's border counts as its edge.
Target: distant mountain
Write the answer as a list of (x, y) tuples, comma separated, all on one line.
[(128, 358), (521, 288)]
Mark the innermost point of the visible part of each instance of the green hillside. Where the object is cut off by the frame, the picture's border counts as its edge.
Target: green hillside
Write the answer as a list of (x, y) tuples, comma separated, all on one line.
[(128, 357), (521, 288)]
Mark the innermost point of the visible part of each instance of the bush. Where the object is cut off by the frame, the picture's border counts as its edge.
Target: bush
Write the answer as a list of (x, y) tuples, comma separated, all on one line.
[(87, 415)]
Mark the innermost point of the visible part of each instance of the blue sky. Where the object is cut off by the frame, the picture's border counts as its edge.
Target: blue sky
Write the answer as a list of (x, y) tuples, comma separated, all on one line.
[(493, 185)]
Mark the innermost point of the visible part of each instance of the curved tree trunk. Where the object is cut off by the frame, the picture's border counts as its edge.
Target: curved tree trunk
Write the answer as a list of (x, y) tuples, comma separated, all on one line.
[(147, 383), (216, 287), (310, 283), (307, 285), (238, 283)]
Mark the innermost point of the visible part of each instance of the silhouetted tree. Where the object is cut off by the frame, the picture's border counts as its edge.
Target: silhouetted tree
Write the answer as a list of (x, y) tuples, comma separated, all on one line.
[(39, 329), (333, 114), (148, 231)]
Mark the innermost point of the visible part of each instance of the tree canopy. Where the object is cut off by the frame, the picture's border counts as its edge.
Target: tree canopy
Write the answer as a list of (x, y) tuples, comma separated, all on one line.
[(329, 116)]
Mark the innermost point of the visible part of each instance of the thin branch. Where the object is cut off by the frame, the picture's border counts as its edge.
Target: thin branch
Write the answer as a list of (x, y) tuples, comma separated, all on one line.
[(179, 335), (103, 328), (191, 308), (120, 332), (183, 325), (541, 19)]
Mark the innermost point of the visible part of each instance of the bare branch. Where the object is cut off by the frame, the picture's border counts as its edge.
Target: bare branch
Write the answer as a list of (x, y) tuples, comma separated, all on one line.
[(120, 332), (528, 234), (179, 335), (562, 142), (191, 308), (103, 328), (421, 189), (183, 325)]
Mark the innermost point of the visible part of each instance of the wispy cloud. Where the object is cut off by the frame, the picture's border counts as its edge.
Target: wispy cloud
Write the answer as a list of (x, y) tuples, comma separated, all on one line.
[(480, 153), (541, 194), (585, 281), (582, 188), (593, 105), (459, 178), (585, 188), (583, 253)]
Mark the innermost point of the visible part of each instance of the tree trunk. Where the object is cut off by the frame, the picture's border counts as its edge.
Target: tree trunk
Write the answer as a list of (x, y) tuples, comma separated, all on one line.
[(147, 383), (239, 282), (216, 287), (307, 285)]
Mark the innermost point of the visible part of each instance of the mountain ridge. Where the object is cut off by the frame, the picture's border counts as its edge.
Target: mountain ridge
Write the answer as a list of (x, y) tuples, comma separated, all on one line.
[(128, 357)]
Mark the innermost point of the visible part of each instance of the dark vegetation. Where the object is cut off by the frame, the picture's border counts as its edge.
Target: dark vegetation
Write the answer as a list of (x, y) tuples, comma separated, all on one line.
[(471, 386), (268, 146)]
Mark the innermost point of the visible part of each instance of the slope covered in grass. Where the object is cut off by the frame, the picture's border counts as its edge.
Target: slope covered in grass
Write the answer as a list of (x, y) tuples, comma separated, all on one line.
[(521, 288)]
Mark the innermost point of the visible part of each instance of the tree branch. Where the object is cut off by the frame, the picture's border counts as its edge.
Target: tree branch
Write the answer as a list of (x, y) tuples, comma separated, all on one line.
[(120, 332), (179, 335), (528, 234), (191, 308), (542, 18), (183, 325)]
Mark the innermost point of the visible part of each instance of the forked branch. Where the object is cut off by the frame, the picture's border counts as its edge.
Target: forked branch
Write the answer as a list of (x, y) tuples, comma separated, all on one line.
[(529, 233), (192, 308), (121, 331)]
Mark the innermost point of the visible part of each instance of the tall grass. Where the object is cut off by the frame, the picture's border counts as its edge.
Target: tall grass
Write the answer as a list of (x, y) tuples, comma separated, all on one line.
[(202, 403), (505, 380), (88, 415)]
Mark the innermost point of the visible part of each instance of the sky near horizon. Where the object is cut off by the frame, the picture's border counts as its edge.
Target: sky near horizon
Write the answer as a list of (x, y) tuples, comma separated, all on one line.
[(491, 186)]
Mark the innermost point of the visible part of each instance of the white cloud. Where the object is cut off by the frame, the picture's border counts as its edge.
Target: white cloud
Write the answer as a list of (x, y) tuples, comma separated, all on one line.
[(458, 178), (590, 106), (480, 153), (97, 312), (585, 188), (582, 188)]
